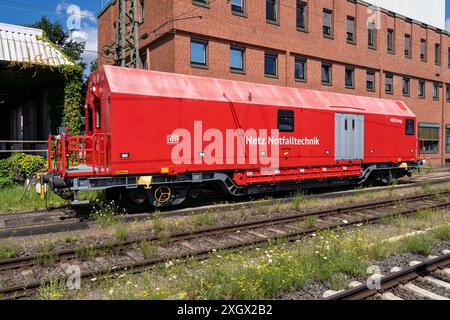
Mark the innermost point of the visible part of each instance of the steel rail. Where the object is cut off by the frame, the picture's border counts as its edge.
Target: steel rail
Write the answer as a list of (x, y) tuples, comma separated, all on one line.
[(393, 280), (30, 229), (7, 264), (23, 290)]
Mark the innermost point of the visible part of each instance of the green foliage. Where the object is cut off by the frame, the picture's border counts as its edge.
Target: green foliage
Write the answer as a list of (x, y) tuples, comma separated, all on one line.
[(21, 165), (72, 97), (31, 164), (148, 249), (94, 65), (9, 250), (54, 290), (15, 199), (6, 174), (442, 233), (106, 214), (422, 244), (55, 32), (121, 233), (297, 200)]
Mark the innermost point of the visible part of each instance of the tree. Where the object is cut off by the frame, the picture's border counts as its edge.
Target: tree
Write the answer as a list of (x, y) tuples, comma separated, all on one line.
[(55, 33), (94, 65)]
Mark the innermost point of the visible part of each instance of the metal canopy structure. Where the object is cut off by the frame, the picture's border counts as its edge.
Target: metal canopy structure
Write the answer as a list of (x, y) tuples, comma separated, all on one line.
[(28, 45)]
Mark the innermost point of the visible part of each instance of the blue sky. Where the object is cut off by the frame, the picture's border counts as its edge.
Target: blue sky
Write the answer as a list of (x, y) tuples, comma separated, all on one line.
[(85, 28)]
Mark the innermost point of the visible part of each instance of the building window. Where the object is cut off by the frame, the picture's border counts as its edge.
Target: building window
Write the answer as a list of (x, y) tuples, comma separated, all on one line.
[(437, 54), (406, 83), (302, 15), (447, 93), (436, 91), (370, 81), (286, 120), (350, 29), (237, 59), (300, 69), (389, 83), (429, 137), (390, 40), (421, 89), (447, 138), (144, 64), (199, 53), (372, 35), (350, 77), (141, 10), (238, 6), (423, 50), (272, 10), (326, 74), (200, 2), (448, 57), (407, 46), (327, 22), (270, 64)]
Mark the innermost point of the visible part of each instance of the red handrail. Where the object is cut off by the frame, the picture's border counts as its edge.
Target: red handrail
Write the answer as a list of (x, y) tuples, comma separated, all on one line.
[(69, 152)]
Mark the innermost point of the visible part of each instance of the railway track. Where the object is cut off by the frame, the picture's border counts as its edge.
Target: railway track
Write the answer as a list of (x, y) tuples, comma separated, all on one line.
[(23, 276), (429, 280), (38, 222)]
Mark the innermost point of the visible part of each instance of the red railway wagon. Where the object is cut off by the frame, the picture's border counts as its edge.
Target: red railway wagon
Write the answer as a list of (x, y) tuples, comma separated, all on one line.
[(159, 138)]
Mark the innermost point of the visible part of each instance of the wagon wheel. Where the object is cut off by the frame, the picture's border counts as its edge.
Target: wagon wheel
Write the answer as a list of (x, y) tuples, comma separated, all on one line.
[(162, 194)]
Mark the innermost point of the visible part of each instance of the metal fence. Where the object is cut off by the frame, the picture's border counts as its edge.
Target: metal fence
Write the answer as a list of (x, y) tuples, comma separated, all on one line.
[(24, 146)]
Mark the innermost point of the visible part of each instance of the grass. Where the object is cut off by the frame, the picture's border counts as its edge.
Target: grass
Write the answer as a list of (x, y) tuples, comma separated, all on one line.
[(85, 252), (148, 250), (311, 221), (15, 199), (297, 200), (421, 244), (106, 214), (9, 250), (392, 186), (203, 219), (331, 257), (442, 232), (426, 186), (121, 233), (46, 257), (55, 290), (71, 238)]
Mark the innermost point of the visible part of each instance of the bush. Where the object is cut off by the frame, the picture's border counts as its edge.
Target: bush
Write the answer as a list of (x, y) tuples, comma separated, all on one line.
[(26, 165), (6, 174), (20, 166)]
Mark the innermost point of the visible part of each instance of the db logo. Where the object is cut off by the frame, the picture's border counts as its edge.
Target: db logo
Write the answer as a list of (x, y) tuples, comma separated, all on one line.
[(171, 139)]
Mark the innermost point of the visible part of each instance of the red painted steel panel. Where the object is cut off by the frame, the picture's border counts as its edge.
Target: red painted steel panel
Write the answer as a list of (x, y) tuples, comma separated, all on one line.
[(140, 109)]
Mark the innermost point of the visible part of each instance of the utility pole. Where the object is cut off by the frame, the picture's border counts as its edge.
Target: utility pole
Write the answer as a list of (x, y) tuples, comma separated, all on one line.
[(126, 45)]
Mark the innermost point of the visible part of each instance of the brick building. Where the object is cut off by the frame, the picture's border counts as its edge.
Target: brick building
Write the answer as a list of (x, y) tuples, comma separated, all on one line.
[(332, 45)]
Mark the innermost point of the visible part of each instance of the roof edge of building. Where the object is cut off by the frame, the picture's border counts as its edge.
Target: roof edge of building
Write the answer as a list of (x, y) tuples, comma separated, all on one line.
[(106, 7)]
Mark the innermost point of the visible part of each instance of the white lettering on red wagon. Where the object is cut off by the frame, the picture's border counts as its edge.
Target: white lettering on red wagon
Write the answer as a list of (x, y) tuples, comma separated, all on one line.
[(284, 141), (234, 146), (396, 120)]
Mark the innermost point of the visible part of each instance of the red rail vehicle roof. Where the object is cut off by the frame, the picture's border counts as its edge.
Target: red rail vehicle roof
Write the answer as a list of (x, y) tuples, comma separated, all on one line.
[(162, 84)]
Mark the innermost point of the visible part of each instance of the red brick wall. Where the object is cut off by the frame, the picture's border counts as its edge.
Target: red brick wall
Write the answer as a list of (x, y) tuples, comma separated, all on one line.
[(169, 52)]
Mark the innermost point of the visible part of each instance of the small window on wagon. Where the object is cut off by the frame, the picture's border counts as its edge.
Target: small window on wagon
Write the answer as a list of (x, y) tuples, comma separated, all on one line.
[(409, 127), (285, 120), (97, 117), (90, 119)]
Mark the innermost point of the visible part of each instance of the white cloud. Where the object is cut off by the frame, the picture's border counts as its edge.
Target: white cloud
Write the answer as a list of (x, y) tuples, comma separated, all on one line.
[(447, 24), (83, 27)]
